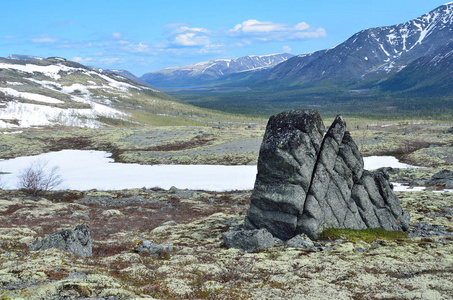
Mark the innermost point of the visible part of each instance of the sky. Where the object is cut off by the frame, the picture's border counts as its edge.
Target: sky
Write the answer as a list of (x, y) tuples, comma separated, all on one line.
[(147, 35)]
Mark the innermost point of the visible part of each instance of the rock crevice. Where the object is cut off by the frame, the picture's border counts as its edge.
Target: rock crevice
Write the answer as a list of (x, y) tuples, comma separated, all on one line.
[(308, 181)]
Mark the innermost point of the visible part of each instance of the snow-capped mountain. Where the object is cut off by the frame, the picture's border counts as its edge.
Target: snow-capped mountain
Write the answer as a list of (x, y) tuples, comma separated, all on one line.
[(429, 75), (207, 71), (372, 53), (57, 92)]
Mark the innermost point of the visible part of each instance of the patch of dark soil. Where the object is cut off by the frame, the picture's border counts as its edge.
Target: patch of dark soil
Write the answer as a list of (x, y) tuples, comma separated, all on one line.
[(76, 143), (195, 142)]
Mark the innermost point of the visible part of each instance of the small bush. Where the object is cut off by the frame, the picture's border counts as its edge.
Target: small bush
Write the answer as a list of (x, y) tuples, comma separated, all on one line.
[(37, 178)]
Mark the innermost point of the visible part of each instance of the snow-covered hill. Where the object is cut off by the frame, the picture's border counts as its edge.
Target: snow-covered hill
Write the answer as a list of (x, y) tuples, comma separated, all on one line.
[(57, 92), (204, 72)]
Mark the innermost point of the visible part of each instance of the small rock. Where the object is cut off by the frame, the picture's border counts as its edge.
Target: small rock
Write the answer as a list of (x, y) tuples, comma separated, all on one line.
[(112, 213), (77, 214), (300, 241), (450, 130), (250, 240), (77, 241), (148, 247)]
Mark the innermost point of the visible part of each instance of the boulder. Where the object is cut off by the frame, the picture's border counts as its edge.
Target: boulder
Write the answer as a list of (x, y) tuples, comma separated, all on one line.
[(250, 240), (77, 241), (443, 178), (286, 160), (308, 182)]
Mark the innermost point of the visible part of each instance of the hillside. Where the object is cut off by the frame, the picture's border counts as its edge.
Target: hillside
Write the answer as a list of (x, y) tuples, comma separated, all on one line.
[(428, 75), (57, 92)]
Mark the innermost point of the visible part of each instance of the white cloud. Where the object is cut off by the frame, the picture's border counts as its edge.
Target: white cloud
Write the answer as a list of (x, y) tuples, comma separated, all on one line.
[(191, 39), (110, 61), (44, 39), (287, 49), (255, 26), (81, 60), (116, 35), (268, 31), (9, 37), (301, 26)]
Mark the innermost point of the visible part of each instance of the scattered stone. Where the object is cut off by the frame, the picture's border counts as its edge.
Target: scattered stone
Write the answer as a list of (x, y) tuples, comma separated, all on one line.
[(424, 229), (300, 241), (250, 240), (77, 214), (109, 213), (169, 223), (307, 183), (443, 178), (148, 247), (77, 241)]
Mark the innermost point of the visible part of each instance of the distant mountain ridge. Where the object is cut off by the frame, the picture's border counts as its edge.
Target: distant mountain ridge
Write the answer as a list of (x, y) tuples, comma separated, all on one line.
[(208, 71)]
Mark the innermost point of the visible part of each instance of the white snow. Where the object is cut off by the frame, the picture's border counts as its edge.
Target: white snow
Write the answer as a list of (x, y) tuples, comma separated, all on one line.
[(30, 115), (85, 170), (29, 96), (376, 162), (49, 71)]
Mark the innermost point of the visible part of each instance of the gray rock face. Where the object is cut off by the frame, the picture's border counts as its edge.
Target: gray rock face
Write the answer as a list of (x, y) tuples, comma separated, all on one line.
[(250, 240), (286, 160), (307, 183), (77, 241)]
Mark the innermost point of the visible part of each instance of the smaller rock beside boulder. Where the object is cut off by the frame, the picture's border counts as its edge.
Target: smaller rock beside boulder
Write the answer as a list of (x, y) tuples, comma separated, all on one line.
[(77, 241), (443, 178), (300, 241), (151, 248), (250, 240)]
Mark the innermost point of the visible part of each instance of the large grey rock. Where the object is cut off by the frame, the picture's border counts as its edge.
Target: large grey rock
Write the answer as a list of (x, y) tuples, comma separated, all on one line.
[(307, 183), (287, 156), (250, 240), (77, 241)]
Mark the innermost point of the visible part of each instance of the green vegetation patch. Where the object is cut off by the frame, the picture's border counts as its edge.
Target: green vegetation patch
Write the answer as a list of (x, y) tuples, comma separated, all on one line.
[(368, 235)]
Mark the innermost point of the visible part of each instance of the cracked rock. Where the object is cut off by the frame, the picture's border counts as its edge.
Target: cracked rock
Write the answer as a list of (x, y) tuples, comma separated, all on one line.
[(308, 182)]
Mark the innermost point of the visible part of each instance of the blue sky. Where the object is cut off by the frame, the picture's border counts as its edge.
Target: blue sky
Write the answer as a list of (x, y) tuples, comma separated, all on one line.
[(147, 35)]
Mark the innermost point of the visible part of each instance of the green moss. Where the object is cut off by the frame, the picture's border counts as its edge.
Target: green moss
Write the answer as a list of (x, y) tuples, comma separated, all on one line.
[(368, 235)]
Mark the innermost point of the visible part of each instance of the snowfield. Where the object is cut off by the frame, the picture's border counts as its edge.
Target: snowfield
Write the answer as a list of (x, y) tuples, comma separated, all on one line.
[(85, 170), (30, 115)]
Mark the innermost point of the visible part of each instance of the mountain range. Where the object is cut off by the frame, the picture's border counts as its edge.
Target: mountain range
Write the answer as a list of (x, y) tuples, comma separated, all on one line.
[(411, 59), (210, 71)]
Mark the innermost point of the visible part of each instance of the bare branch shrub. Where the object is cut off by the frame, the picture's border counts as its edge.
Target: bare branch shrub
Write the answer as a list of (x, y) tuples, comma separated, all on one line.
[(37, 178)]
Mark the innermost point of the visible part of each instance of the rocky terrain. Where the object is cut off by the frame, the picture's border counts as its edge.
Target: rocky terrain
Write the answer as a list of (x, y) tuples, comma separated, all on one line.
[(344, 266), (340, 264)]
